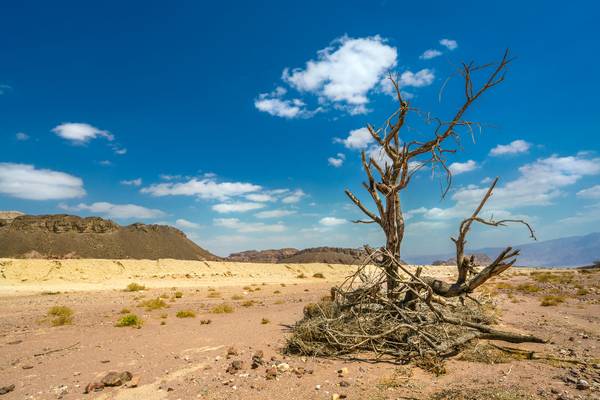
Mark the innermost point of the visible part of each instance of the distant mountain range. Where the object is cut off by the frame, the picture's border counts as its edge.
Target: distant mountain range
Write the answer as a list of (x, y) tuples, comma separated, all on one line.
[(573, 251)]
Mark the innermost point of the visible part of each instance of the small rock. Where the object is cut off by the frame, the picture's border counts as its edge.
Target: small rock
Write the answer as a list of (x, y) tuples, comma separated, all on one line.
[(344, 383), (6, 389), (283, 367), (116, 378), (27, 366), (271, 373), (93, 387), (335, 396), (60, 391), (317, 387), (257, 359), (134, 382), (231, 352), (105, 361), (15, 342), (235, 366), (582, 384)]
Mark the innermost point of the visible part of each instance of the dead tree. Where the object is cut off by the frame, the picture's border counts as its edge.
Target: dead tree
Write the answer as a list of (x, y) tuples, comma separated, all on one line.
[(402, 159)]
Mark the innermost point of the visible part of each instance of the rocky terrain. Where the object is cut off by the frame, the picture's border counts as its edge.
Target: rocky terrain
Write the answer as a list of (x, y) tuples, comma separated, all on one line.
[(480, 260), (327, 255), (68, 236)]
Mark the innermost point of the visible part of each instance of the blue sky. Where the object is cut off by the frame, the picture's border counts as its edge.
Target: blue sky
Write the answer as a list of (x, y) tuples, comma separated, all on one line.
[(240, 123)]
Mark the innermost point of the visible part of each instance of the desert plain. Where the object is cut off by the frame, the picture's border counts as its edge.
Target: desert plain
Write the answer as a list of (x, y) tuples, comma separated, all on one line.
[(217, 330)]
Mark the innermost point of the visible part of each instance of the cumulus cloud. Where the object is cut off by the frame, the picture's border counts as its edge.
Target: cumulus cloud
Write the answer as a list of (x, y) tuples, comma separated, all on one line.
[(206, 188), (336, 161), (80, 133), (185, 224), (132, 182), (514, 147), (261, 197), (224, 208), (246, 227), (590, 193), (458, 168), (332, 221), (294, 197), (449, 44), (418, 79), (119, 211), (357, 139), (429, 54), (25, 181), (22, 136), (345, 72), (274, 214), (538, 184), (273, 103)]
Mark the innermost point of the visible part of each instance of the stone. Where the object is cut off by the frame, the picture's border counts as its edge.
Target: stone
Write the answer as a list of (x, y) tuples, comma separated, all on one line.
[(582, 384), (257, 359), (116, 378), (6, 389), (283, 367), (134, 382), (60, 391), (232, 352), (271, 373), (235, 366), (93, 387), (344, 383)]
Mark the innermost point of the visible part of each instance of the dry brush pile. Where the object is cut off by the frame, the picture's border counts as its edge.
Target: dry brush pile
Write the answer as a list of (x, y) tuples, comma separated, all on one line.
[(391, 310)]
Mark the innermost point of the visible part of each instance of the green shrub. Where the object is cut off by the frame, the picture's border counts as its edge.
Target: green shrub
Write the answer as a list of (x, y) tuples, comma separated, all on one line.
[(129, 320)]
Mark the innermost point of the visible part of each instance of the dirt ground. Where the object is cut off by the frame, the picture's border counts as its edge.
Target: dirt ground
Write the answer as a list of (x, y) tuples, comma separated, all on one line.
[(187, 358)]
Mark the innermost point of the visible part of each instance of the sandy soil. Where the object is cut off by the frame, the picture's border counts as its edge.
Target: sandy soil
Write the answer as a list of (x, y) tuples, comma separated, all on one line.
[(181, 358)]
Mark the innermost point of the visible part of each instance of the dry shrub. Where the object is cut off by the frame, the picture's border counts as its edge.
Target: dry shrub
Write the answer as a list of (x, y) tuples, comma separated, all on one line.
[(248, 303), (134, 287), (60, 315), (237, 297), (488, 354), (153, 304), (318, 275), (222, 309), (129, 320), (552, 300), (186, 314), (431, 363), (485, 393), (528, 288)]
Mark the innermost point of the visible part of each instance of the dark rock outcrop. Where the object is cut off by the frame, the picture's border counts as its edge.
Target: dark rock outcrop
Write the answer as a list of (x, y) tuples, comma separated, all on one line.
[(69, 236)]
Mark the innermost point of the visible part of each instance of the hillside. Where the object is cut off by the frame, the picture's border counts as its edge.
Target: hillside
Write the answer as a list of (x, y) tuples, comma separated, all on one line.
[(68, 236), (570, 251), (328, 255)]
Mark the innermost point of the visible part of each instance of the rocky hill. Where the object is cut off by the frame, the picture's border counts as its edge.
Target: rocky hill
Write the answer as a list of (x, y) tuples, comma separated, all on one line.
[(329, 255), (479, 258), (68, 236)]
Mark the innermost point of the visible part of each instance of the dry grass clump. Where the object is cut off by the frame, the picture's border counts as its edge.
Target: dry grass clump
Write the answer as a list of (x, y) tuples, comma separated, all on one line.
[(318, 275), (213, 295), (528, 288), (129, 320), (582, 291), (248, 303), (431, 364), (49, 293), (301, 276), (222, 309), (504, 286), (178, 294), (487, 354), (134, 287), (484, 393), (265, 321), (153, 304), (124, 310), (237, 297), (60, 315), (553, 277), (552, 300), (186, 314)]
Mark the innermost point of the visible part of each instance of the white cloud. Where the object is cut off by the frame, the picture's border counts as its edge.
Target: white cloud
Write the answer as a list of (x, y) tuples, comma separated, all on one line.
[(514, 147), (357, 139), (4, 89), (166, 177), (346, 71), (184, 223), (336, 161), (590, 193), (273, 103), (207, 188), (22, 136), (449, 44), (295, 197), (274, 214), (245, 227), (377, 153), (24, 181), (120, 151), (80, 133), (539, 183), (332, 221), (429, 54), (224, 208), (105, 163), (121, 211), (458, 168), (132, 182), (421, 78), (261, 197)]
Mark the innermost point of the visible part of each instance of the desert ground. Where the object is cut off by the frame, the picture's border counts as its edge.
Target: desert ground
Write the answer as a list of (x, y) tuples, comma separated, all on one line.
[(209, 352)]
